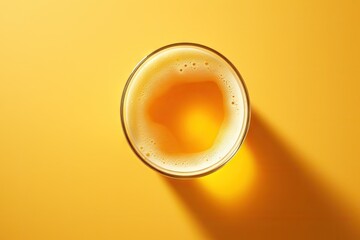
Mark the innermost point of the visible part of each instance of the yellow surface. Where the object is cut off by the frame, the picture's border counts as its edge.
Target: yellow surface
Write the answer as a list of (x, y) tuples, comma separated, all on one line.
[(66, 171)]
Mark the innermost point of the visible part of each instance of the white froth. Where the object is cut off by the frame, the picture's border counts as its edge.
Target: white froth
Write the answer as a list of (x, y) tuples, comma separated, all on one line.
[(146, 80)]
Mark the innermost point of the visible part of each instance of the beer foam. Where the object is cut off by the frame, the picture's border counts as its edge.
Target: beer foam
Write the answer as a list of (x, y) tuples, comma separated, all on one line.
[(145, 83)]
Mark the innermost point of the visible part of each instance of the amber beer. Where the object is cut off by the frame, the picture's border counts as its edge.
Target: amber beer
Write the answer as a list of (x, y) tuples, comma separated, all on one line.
[(185, 110)]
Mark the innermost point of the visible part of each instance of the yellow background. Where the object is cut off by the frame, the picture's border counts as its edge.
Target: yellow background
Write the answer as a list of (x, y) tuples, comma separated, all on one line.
[(66, 171)]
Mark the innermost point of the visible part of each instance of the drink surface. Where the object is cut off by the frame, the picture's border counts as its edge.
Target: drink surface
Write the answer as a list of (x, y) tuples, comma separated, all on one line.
[(185, 110)]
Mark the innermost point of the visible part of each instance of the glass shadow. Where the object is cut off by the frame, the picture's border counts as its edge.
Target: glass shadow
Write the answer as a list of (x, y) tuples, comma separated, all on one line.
[(283, 201)]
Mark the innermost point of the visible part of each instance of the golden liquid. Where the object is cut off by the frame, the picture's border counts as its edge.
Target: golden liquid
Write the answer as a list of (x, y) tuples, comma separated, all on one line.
[(185, 110), (191, 108)]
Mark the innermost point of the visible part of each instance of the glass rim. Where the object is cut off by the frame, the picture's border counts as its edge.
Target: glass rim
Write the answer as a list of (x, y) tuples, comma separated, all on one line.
[(229, 155)]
